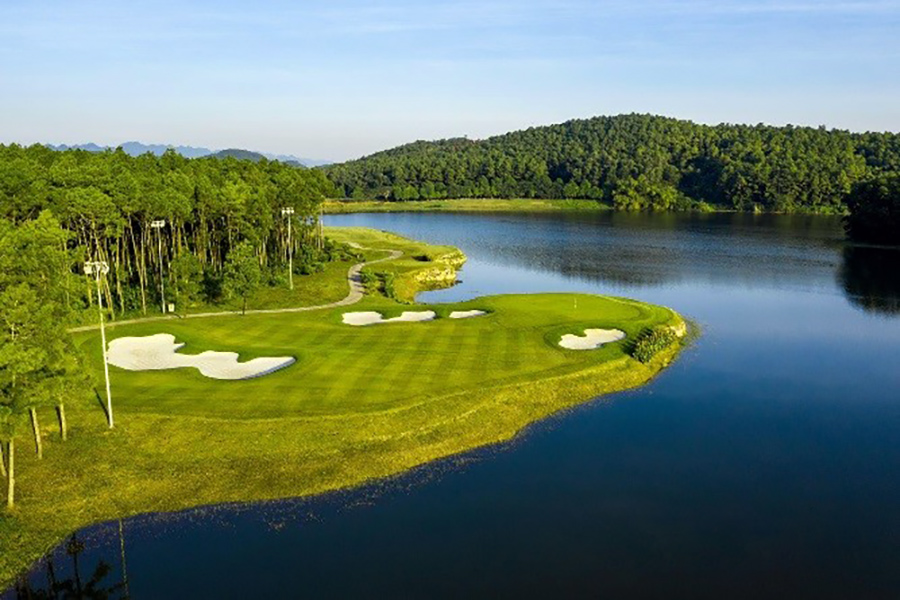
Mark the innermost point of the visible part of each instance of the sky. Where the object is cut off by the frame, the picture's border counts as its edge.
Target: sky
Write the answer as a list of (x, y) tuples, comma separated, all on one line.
[(340, 79)]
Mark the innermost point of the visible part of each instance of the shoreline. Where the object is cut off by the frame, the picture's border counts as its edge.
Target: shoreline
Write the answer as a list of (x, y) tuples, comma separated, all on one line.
[(523, 205)]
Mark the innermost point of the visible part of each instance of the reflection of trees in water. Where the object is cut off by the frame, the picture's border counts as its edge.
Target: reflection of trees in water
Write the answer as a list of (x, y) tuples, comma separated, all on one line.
[(871, 278), (605, 264), (650, 250), (620, 260), (637, 249), (76, 587)]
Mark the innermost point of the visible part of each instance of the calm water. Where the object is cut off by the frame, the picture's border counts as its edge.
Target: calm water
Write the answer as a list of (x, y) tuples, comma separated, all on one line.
[(764, 463)]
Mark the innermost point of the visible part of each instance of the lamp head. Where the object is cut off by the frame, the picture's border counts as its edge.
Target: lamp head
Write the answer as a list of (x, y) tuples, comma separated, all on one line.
[(98, 267)]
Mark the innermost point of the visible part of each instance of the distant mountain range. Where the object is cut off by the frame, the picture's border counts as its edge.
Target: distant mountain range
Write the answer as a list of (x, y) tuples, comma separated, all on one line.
[(137, 148)]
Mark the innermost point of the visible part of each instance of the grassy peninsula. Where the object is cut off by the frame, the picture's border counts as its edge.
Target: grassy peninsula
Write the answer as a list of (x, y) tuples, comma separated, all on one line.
[(360, 403)]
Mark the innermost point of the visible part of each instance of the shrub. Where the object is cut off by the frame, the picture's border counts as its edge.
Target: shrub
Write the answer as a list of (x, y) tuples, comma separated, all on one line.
[(387, 285), (338, 251), (309, 268), (367, 277), (378, 281), (653, 341), (211, 286)]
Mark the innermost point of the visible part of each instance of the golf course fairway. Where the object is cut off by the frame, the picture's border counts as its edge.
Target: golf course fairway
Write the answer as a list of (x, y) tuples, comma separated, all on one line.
[(358, 403)]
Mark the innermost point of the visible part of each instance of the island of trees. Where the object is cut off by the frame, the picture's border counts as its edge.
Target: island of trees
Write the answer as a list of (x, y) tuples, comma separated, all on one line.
[(634, 162)]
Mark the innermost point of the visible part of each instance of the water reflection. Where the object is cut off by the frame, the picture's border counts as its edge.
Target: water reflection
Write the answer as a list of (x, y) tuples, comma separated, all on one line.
[(626, 250), (871, 278), (63, 574)]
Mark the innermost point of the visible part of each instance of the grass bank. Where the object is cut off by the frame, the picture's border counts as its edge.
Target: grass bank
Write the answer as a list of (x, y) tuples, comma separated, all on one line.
[(464, 205), (359, 404), (532, 205)]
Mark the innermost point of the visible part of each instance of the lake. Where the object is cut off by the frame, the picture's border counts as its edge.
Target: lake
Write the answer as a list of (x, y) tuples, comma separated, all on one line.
[(764, 463)]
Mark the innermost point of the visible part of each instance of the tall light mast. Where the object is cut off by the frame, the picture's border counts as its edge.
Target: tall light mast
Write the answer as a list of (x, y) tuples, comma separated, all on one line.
[(289, 213), (158, 226), (99, 269)]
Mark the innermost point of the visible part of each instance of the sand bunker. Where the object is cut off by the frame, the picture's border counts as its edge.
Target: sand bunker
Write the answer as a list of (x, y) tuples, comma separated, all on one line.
[(358, 319), (466, 314), (157, 352), (592, 339)]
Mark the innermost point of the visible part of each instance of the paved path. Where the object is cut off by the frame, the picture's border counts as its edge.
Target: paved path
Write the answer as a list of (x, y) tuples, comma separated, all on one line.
[(357, 291)]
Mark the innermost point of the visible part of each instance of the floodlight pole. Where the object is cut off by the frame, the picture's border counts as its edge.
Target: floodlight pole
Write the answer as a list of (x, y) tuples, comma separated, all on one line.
[(97, 269), (158, 226), (289, 213)]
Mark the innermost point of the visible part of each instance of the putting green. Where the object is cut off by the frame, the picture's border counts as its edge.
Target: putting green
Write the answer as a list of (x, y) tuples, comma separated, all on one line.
[(342, 370)]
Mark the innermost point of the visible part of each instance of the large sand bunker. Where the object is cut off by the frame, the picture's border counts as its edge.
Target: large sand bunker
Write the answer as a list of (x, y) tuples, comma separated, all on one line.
[(358, 319), (466, 314), (592, 339), (158, 352)]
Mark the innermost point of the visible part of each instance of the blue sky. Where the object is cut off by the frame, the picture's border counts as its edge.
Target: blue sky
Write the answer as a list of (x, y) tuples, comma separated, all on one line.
[(339, 79)]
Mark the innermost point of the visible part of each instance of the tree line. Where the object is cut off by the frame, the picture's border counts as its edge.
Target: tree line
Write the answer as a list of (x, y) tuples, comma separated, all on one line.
[(38, 364), (196, 228), (108, 203), (634, 162), (874, 210)]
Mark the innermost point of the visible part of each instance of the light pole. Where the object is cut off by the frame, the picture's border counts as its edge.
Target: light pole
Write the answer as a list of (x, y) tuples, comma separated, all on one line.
[(158, 226), (98, 269), (289, 213)]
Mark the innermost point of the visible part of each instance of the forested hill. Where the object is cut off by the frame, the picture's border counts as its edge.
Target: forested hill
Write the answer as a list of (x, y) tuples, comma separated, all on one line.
[(239, 154), (634, 162)]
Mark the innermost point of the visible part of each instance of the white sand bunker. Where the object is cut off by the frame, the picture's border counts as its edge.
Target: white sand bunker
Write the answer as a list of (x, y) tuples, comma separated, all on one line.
[(157, 352), (592, 339), (358, 319), (466, 314)]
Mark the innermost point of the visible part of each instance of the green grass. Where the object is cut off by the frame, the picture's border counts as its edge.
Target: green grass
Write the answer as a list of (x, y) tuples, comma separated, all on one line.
[(360, 403), (343, 370), (374, 238), (330, 285), (464, 205), (422, 266)]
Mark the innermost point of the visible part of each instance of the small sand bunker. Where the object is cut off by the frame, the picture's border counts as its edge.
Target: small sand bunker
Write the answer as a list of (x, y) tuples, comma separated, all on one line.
[(592, 339), (359, 319), (466, 314), (160, 351)]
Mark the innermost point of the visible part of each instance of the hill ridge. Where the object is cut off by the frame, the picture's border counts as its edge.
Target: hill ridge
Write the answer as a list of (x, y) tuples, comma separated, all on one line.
[(633, 161), (135, 148)]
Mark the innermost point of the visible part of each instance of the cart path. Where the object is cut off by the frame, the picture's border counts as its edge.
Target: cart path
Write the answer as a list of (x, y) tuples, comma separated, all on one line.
[(357, 291)]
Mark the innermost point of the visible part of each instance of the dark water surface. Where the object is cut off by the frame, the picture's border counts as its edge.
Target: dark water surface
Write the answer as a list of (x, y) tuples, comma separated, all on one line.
[(764, 464)]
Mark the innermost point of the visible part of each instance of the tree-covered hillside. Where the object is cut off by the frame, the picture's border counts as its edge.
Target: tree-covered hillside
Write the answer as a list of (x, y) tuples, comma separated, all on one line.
[(239, 154), (633, 162)]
